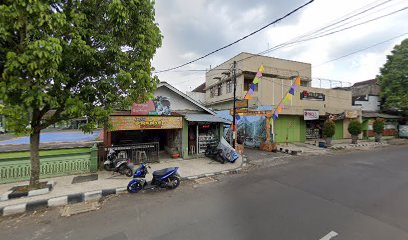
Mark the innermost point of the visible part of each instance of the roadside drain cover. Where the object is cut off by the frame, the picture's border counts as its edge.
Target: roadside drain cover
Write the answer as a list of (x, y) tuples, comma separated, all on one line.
[(72, 209), (205, 180), (86, 178)]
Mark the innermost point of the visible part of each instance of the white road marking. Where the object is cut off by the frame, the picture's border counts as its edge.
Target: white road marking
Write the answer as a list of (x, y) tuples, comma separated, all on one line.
[(329, 236)]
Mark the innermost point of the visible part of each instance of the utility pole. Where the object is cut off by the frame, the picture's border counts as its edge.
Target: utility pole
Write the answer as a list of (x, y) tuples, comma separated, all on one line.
[(234, 127)]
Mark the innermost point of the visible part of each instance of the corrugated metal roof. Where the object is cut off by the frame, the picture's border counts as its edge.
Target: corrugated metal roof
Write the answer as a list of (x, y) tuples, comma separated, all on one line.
[(380, 115), (191, 117)]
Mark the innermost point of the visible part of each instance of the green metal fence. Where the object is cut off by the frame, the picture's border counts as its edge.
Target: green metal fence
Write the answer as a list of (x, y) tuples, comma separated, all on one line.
[(18, 169)]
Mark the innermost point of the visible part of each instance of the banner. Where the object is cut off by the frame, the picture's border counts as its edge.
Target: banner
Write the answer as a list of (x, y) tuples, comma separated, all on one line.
[(311, 114)]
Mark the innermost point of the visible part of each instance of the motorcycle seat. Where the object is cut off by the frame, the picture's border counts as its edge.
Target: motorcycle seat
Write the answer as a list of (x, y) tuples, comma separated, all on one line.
[(162, 172)]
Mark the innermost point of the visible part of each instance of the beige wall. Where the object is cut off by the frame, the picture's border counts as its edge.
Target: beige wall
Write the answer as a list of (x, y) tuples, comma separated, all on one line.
[(251, 63), (271, 92)]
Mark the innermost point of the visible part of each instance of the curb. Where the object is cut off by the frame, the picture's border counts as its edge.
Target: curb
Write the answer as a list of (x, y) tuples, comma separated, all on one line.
[(90, 196), (359, 145), (11, 195)]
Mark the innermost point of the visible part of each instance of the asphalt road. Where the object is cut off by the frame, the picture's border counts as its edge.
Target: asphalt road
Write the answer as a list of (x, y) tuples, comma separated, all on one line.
[(355, 195)]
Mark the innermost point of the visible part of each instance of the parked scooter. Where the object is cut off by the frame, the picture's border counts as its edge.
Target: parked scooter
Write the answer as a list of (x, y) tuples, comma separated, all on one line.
[(164, 178), (120, 165), (215, 153)]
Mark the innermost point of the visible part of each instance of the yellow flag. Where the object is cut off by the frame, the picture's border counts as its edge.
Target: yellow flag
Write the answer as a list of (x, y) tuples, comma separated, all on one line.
[(297, 81), (288, 96), (261, 68), (247, 97)]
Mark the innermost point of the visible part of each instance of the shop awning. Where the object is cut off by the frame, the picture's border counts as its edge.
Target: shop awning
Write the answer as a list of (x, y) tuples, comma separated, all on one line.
[(205, 118)]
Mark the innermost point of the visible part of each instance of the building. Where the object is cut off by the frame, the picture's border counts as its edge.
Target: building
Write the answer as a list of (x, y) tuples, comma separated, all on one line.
[(292, 125), (170, 123), (366, 96)]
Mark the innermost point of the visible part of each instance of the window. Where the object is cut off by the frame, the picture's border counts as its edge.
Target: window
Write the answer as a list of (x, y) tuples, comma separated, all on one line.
[(212, 91), (219, 89), (304, 83), (247, 83), (229, 86)]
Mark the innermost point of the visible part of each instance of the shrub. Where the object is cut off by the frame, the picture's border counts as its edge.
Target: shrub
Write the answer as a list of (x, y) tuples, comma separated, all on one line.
[(329, 129), (378, 125), (354, 127)]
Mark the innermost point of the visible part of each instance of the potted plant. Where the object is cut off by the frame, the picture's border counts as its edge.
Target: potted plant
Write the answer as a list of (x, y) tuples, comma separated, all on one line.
[(378, 127), (329, 129), (175, 153), (354, 129)]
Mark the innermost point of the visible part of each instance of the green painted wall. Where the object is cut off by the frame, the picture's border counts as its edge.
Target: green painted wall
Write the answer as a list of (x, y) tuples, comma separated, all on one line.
[(291, 127), (184, 139), (19, 169), (302, 130), (339, 130)]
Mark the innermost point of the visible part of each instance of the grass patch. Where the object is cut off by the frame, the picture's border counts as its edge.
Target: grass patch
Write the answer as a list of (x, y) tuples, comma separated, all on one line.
[(43, 152)]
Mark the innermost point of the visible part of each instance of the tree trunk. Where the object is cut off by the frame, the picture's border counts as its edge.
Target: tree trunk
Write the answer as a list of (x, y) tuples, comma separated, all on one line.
[(354, 139), (35, 159)]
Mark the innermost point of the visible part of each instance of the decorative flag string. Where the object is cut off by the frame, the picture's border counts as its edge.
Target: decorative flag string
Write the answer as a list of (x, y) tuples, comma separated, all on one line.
[(285, 100)]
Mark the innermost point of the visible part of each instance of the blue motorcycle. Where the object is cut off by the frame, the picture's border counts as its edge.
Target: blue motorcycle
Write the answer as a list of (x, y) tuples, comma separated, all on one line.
[(164, 178)]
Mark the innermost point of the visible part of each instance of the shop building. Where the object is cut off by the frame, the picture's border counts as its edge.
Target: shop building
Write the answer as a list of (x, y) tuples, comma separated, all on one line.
[(301, 119), (170, 123)]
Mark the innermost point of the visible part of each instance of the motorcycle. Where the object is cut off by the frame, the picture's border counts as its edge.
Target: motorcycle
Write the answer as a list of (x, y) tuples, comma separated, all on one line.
[(115, 164), (164, 178), (215, 153)]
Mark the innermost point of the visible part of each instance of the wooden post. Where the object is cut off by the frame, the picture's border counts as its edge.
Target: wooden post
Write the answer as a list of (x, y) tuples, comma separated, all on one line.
[(268, 133)]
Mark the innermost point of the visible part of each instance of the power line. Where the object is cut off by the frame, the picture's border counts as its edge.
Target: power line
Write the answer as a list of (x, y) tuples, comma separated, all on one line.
[(239, 40), (310, 34)]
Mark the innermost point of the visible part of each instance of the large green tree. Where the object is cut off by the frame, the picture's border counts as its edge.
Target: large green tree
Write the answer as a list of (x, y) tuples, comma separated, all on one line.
[(64, 59), (393, 79)]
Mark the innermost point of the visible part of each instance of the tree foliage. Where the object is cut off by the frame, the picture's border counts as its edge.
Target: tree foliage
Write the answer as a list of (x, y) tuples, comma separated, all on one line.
[(354, 127), (393, 79), (378, 125), (329, 128), (77, 58)]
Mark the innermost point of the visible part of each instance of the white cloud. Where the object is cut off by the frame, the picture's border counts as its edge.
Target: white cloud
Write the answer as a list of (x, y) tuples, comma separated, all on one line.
[(191, 30)]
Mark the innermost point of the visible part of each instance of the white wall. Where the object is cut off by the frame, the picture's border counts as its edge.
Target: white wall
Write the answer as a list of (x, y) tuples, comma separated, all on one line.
[(177, 102), (372, 105)]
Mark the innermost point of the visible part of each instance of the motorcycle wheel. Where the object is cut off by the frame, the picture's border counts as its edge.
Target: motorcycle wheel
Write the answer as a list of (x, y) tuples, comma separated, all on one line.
[(107, 167), (125, 170), (220, 159), (173, 182), (134, 187)]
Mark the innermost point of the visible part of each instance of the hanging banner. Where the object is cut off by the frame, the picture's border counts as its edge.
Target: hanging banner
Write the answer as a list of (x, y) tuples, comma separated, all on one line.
[(311, 114)]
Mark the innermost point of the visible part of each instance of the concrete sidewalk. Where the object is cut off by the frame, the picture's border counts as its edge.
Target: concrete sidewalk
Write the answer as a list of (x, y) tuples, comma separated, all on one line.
[(312, 148), (108, 182)]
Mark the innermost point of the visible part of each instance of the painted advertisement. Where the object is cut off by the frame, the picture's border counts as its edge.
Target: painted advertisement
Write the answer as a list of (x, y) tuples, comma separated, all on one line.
[(156, 107), (145, 122)]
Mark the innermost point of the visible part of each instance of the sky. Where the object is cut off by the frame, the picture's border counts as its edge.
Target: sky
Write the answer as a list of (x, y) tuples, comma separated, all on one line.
[(191, 29)]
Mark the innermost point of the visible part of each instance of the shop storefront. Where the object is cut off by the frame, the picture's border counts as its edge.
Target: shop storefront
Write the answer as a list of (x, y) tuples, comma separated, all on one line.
[(203, 130), (170, 124)]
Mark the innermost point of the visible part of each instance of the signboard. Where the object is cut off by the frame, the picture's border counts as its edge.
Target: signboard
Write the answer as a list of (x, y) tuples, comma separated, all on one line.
[(305, 95), (158, 106), (351, 114), (311, 114), (145, 122), (241, 103)]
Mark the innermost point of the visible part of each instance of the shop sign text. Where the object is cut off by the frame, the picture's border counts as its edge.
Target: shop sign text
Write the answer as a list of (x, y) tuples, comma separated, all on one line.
[(141, 123), (305, 95), (311, 114)]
